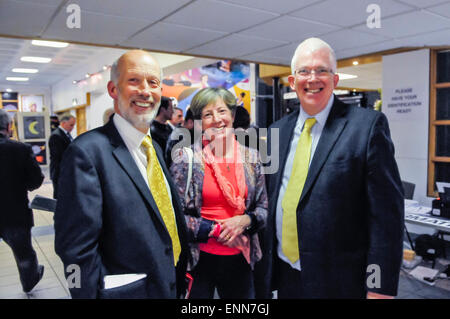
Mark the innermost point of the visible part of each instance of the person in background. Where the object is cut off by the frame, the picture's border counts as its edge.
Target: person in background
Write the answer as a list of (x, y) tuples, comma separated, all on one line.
[(177, 119), (336, 201), (226, 201), (58, 143), (19, 174), (107, 115), (159, 128), (184, 134), (240, 100), (246, 133), (120, 213)]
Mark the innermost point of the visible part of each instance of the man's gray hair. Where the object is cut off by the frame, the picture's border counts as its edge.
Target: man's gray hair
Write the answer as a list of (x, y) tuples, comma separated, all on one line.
[(314, 44), (66, 117), (5, 120)]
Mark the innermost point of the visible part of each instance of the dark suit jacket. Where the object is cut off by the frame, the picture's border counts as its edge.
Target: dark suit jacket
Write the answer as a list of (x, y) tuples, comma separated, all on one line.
[(57, 144), (19, 173), (107, 221), (350, 214), (160, 133)]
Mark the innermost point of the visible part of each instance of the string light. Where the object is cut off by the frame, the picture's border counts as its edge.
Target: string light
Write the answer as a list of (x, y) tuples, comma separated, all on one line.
[(95, 76)]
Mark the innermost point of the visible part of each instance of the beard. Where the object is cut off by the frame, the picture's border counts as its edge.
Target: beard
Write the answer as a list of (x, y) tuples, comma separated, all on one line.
[(139, 121)]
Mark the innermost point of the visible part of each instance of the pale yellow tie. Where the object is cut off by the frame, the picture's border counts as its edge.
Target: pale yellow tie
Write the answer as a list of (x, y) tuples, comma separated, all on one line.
[(161, 196), (293, 192)]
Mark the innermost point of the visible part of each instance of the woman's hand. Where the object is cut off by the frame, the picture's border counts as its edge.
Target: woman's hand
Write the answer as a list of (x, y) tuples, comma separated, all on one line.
[(232, 228)]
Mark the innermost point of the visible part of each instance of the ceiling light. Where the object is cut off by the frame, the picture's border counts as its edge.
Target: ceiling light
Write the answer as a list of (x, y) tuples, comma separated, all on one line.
[(9, 90), (87, 75), (18, 70), (52, 44), (355, 62), (19, 79), (343, 76), (35, 59)]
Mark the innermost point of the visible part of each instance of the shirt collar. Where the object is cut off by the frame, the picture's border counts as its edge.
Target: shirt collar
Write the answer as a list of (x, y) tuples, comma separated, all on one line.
[(320, 117), (61, 128), (133, 136)]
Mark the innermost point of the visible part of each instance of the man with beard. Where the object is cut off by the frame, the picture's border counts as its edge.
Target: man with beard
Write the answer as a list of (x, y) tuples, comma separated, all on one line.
[(120, 214)]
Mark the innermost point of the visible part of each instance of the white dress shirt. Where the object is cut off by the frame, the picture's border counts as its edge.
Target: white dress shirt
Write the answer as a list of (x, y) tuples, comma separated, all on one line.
[(316, 132), (133, 139)]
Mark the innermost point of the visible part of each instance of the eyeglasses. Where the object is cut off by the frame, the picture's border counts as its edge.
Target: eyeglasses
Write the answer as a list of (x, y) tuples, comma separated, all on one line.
[(319, 72)]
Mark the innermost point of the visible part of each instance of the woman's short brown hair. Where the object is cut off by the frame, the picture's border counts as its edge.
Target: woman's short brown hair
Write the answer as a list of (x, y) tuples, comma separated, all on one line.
[(207, 96)]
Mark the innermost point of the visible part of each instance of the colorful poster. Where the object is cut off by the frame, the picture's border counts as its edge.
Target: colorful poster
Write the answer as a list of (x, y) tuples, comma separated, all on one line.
[(32, 103), (39, 151), (231, 75), (34, 127)]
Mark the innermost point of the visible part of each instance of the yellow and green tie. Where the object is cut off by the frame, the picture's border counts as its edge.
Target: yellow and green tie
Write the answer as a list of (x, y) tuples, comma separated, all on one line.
[(161, 196), (293, 192)]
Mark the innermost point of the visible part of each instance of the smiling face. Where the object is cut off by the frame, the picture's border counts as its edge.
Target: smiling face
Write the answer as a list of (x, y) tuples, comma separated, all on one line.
[(137, 93), (217, 120), (315, 90)]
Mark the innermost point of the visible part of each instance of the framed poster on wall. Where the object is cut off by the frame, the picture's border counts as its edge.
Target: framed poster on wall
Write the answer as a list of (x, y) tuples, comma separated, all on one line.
[(34, 126), (32, 103), (40, 151)]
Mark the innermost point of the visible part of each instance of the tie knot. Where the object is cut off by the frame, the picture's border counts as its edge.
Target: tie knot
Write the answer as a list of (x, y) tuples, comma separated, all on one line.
[(309, 123), (147, 142)]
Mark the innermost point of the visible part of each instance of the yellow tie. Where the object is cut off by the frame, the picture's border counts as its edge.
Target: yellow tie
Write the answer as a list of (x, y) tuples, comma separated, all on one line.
[(293, 192), (161, 196)]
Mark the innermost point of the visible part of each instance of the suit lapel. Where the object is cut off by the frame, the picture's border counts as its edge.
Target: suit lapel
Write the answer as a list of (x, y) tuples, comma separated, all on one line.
[(330, 134), (128, 164)]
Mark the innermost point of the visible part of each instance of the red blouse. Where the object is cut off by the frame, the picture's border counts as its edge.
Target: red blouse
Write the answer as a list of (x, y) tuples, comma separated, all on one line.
[(215, 206)]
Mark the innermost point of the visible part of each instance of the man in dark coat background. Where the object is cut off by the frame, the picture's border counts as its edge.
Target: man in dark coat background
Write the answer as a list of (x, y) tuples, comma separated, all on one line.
[(19, 173), (58, 143), (345, 238)]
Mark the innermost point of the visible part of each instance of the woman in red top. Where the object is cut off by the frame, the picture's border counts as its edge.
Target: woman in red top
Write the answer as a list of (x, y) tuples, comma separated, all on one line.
[(226, 201)]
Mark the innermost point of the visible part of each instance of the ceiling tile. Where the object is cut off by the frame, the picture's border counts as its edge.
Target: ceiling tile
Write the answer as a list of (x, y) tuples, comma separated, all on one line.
[(22, 18), (233, 46), (408, 24), (219, 16), (443, 9), (171, 37), (377, 47), (437, 38), (274, 6), (289, 29), (345, 39), (53, 3), (95, 28), (151, 11), (348, 12), (284, 52), (257, 58), (422, 3)]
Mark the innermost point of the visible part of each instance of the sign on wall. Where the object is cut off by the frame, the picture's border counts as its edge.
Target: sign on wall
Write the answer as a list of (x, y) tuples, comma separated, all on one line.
[(406, 85)]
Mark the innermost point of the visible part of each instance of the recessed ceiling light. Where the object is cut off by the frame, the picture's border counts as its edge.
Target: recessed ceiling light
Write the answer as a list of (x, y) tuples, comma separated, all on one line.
[(87, 75), (35, 59), (19, 79), (9, 90), (19, 70), (343, 76), (52, 44), (355, 62)]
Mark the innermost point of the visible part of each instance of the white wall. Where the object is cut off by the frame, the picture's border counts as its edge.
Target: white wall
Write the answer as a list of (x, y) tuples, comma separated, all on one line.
[(405, 80), (65, 91)]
